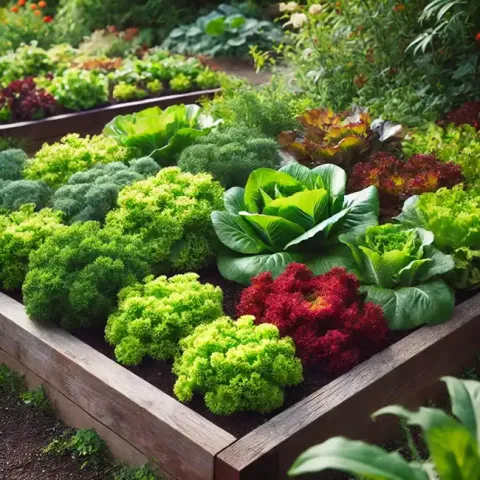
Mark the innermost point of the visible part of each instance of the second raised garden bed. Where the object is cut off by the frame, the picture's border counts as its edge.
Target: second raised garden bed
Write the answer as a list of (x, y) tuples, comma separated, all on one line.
[(142, 422)]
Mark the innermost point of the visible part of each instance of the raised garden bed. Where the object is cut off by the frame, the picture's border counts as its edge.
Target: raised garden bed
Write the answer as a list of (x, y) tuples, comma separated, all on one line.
[(92, 121), (143, 421)]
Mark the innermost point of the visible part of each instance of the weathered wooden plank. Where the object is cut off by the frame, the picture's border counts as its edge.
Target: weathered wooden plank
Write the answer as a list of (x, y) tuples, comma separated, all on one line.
[(404, 373), (91, 121), (179, 440)]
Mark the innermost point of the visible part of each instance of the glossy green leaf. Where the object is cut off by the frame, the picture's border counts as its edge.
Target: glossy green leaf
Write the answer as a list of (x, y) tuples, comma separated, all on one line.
[(234, 200), (363, 211), (306, 176)]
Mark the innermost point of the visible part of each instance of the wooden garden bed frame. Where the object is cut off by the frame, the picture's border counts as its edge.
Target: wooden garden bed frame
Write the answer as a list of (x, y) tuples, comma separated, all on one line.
[(141, 422), (51, 129)]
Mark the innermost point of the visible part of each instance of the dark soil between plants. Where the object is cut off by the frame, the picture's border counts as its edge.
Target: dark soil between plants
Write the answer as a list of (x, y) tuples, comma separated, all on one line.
[(24, 432)]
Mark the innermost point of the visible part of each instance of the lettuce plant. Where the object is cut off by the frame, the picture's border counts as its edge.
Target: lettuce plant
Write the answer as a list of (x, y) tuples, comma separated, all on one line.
[(460, 145), (325, 315), (153, 316), (453, 215), (237, 366), (171, 213), (452, 442), (55, 163), (22, 233), (466, 114), (289, 215), (161, 134), (399, 268), (92, 194), (75, 276)]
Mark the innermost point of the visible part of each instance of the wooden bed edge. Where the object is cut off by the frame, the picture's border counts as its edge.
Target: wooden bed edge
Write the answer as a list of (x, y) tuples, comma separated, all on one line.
[(179, 440), (406, 373)]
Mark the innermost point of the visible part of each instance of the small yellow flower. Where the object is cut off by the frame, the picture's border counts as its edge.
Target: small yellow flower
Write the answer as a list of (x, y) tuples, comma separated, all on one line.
[(297, 20), (288, 7), (315, 9)]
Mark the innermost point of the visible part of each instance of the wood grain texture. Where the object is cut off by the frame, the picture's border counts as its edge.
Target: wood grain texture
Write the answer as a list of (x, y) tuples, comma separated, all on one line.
[(179, 440), (405, 373), (91, 121)]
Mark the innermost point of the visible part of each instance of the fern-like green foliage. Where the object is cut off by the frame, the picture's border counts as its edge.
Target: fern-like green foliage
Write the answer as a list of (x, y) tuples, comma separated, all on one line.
[(171, 213), (14, 194), (230, 156), (237, 365), (75, 276), (152, 317), (12, 163), (92, 194), (22, 233), (55, 163)]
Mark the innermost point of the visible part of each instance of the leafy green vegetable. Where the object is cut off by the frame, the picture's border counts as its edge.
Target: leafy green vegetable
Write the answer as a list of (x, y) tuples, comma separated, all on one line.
[(22, 233), (12, 163), (453, 215), (153, 316), (124, 92), (453, 444), (161, 134), (237, 366), (290, 215), (14, 194), (398, 268)]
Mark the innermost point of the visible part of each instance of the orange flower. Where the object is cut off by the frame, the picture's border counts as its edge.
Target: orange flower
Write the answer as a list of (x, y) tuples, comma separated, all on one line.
[(47, 19), (33, 6), (399, 8), (42, 4), (14, 9), (37, 13), (21, 3)]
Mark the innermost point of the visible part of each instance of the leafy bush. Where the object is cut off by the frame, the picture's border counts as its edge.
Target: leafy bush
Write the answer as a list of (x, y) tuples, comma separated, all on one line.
[(55, 163), (448, 460), (79, 89), (454, 218), (12, 163), (135, 473), (92, 194), (460, 145), (152, 317), (124, 92), (181, 83), (111, 42), (161, 134), (23, 100), (466, 114), (397, 180), (224, 31), (171, 213), (7, 143), (14, 194), (22, 233), (237, 366), (325, 315), (399, 268), (290, 215), (75, 276), (208, 79), (230, 156)]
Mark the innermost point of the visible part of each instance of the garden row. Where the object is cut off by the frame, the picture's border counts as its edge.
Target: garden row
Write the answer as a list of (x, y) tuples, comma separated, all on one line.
[(334, 236)]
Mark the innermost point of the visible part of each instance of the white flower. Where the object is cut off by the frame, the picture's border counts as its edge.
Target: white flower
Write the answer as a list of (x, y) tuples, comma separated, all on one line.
[(297, 20), (288, 7), (315, 9)]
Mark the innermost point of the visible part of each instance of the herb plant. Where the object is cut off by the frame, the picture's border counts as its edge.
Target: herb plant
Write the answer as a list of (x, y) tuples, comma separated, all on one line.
[(154, 316), (12, 163), (237, 366), (399, 269), (14, 194), (289, 215), (171, 214), (75, 276)]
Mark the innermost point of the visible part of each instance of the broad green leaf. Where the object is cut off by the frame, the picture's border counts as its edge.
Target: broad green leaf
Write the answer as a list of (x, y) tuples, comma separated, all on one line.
[(381, 270), (277, 231), (311, 179), (335, 180), (410, 215), (305, 208), (330, 257), (465, 399), (452, 447), (363, 208), (234, 232), (419, 271), (317, 235), (241, 268), (266, 179), (408, 307), (356, 458), (215, 27), (233, 199)]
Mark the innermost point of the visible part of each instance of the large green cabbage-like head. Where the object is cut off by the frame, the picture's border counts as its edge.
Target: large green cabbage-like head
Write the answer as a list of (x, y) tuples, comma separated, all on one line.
[(289, 215), (161, 134), (399, 268)]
